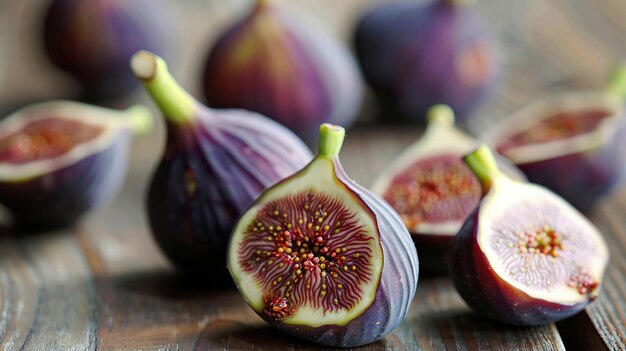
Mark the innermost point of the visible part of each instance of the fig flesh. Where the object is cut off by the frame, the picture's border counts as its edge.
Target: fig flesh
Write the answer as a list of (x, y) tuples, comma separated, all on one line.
[(60, 159), (93, 40), (417, 54), (215, 163), (571, 143), (525, 256), (322, 258), (432, 189), (278, 64)]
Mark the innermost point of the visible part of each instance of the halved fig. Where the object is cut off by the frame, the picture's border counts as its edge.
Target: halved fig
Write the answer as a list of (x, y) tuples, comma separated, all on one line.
[(571, 143), (322, 258), (525, 256), (59, 159), (432, 189)]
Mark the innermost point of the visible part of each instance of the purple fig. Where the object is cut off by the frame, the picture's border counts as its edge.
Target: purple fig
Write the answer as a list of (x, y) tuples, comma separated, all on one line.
[(416, 54), (525, 256), (276, 63), (215, 163), (432, 189), (60, 159), (322, 258), (572, 143), (94, 40)]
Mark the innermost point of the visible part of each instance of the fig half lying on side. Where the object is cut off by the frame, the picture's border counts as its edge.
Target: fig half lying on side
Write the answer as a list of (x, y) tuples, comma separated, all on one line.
[(59, 159), (322, 258), (525, 256), (573, 143), (215, 163), (432, 189)]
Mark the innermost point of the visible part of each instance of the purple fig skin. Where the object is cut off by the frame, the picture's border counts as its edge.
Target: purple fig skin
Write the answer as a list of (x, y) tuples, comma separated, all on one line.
[(93, 41), (490, 295), (413, 55), (229, 160), (582, 178), (316, 78), (59, 198)]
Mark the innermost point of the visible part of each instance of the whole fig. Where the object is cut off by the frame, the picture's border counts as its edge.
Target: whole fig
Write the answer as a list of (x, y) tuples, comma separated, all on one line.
[(93, 40), (416, 54), (276, 63), (215, 163), (60, 159)]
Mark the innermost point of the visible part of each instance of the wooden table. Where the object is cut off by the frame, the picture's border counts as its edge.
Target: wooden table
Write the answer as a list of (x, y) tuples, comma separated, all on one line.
[(104, 284)]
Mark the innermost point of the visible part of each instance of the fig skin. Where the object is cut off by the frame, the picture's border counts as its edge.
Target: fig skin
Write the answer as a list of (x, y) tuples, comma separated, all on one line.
[(215, 163), (60, 196), (488, 293), (581, 172), (280, 65), (415, 55), (93, 41), (398, 279)]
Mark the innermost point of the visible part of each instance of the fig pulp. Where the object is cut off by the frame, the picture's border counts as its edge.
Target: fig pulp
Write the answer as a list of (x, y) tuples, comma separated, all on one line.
[(322, 258), (432, 189), (60, 159), (571, 143), (215, 163), (417, 54), (525, 256), (276, 63), (93, 40)]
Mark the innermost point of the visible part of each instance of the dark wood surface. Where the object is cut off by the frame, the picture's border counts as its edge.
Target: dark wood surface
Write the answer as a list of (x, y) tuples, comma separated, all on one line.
[(104, 284)]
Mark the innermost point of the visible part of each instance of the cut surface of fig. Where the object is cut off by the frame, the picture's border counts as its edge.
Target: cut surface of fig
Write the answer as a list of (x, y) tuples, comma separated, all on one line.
[(322, 258), (559, 126), (525, 256), (44, 139), (434, 191)]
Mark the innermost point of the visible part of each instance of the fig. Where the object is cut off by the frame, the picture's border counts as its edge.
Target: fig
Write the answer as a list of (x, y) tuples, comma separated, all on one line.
[(94, 40), (321, 258), (571, 143), (215, 163), (283, 66), (525, 256), (60, 159), (417, 54), (432, 189)]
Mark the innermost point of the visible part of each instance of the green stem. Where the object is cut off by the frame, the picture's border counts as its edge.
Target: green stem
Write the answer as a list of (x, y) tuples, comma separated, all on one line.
[(138, 118), (331, 139), (617, 83), (483, 164), (440, 114), (175, 103)]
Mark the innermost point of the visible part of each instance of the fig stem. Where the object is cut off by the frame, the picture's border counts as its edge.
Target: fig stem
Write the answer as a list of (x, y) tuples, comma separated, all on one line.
[(331, 139), (617, 83), (138, 118), (440, 114), (483, 164), (175, 103)]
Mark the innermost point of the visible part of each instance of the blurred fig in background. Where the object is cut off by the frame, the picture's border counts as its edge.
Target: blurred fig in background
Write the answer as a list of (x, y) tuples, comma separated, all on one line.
[(573, 143), (276, 63), (60, 159), (215, 163), (433, 190), (415, 55), (93, 41)]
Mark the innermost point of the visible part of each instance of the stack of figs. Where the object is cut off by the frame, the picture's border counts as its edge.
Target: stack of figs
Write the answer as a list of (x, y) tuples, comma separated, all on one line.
[(238, 196)]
